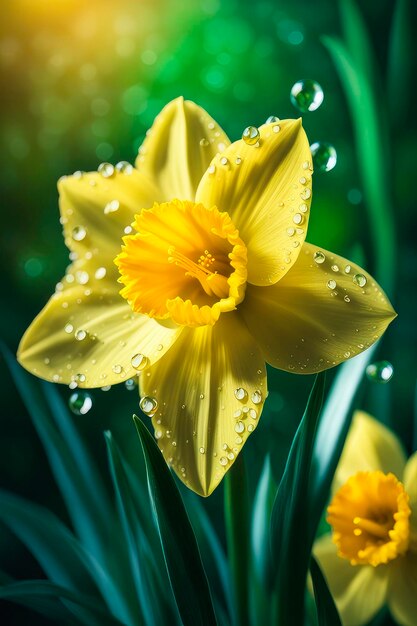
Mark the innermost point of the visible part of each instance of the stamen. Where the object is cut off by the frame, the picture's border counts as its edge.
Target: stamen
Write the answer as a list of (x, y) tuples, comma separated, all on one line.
[(214, 284)]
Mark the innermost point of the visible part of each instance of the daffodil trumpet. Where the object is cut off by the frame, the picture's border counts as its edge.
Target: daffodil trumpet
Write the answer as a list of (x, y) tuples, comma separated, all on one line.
[(370, 559), (192, 270)]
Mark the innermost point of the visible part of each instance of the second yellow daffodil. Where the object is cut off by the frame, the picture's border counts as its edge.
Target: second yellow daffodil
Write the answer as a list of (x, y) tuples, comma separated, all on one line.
[(192, 269)]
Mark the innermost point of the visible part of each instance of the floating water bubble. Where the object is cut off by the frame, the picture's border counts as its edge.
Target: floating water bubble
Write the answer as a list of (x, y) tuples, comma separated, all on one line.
[(324, 156), (251, 135), (306, 95), (80, 402), (148, 405), (380, 372)]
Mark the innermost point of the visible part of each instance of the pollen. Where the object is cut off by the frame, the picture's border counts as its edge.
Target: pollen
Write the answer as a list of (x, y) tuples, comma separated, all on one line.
[(183, 262), (370, 518)]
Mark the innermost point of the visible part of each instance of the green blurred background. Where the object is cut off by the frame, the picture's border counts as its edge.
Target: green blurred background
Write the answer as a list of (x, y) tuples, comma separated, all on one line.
[(82, 81)]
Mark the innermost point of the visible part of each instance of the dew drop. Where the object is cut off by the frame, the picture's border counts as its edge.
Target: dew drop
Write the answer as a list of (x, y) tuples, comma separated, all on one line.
[(239, 427), (139, 361), (306, 194), (346, 299), (80, 402), (380, 372), (324, 156), (131, 384), (124, 167), (347, 269), (360, 280), (241, 394), (276, 128), (251, 428), (78, 233), (68, 328), (100, 273), (78, 175), (204, 143), (238, 160), (111, 207), (106, 170), (158, 434), (335, 268), (306, 95), (298, 218), (202, 450), (117, 369), (331, 284), (253, 414), (257, 397), (223, 461), (81, 334), (319, 257), (224, 161), (82, 277), (211, 169), (272, 119), (148, 405), (251, 135)]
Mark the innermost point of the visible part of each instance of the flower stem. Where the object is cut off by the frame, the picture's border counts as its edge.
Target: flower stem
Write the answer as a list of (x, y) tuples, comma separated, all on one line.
[(237, 534)]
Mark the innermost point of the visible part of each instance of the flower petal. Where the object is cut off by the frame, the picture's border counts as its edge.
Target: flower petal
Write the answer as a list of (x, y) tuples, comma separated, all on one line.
[(304, 326), (201, 424), (402, 592), (359, 591), (410, 485), (369, 446), (179, 147), (95, 211), (113, 335), (267, 192)]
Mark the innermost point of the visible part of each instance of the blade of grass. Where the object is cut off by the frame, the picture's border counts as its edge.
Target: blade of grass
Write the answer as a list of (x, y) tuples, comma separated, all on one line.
[(185, 569), (400, 57), (132, 530), (261, 522), (327, 613), (290, 523), (87, 611), (236, 512), (372, 152)]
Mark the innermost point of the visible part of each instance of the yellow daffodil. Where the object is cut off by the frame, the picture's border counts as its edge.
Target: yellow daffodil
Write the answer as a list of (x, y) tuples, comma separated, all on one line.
[(207, 240), (371, 558)]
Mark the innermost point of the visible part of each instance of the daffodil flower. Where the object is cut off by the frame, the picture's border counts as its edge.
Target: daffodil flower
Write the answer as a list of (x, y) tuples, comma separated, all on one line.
[(371, 558), (207, 240)]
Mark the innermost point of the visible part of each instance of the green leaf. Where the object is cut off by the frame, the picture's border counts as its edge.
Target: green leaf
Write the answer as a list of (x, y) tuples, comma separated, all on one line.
[(400, 62), (261, 522), (134, 536), (357, 39), (182, 557), (370, 128), (333, 428), (291, 528), (236, 513), (326, 609), (86, 609)]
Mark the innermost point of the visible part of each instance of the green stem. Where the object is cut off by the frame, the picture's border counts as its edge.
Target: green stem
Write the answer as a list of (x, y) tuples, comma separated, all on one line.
[(237, 534)]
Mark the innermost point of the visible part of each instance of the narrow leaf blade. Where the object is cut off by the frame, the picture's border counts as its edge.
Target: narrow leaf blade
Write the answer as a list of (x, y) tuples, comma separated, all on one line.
[(327, 613)]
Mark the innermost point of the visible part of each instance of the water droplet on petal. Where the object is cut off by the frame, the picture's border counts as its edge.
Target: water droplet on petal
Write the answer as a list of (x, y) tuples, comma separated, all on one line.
[(111, 207), (324, 156), (380, 372), (298, 218), (81, 334), (202, 450), (253, 414), (360, 280), (224, 161), (347, 269), (331, 284), (204, 143), (80, 402), (148, 405), (124, 167), (223, 461), (82, 277), (306, 95), (139, 361), (100, 273), (68, 328), (106, 170), (241, 394), (257, 397), (211, 169), (239, 427), (319, 257), (251, 135), (117, 369), (272, 119), (78, 233)]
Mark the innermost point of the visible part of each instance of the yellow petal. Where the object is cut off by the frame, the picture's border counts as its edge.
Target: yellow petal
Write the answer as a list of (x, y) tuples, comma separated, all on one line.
[(305, 325), (267, 192), (410, 484), (402, 592), (179, 147), (359, 591), (210, 390), (369, 446), (92, 338), (95, 210)]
